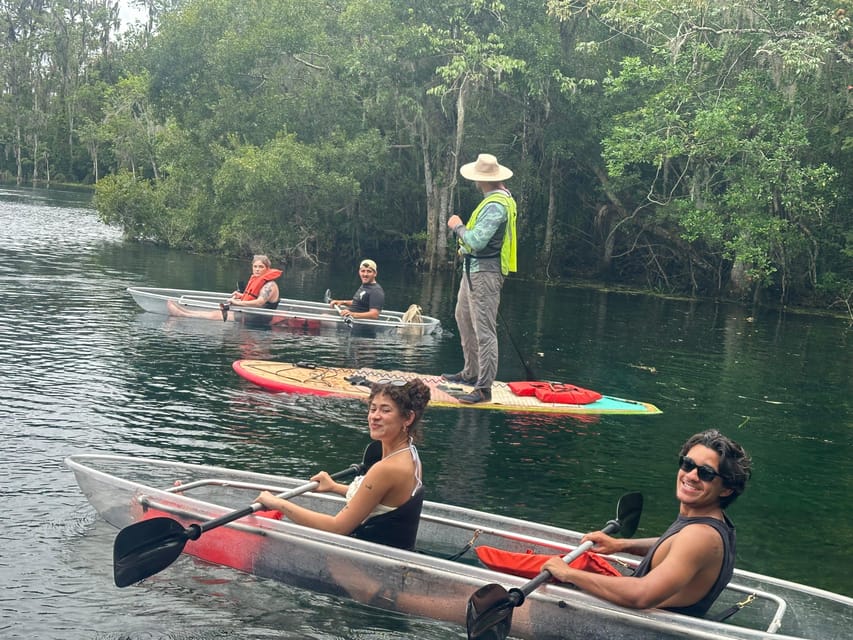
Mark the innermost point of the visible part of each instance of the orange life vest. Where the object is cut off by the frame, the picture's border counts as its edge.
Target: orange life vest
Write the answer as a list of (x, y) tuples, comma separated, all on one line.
[(256, 283), (529, 565), (555, 392)]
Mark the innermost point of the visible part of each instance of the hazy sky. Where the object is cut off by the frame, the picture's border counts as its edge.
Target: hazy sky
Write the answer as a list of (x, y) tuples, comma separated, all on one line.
[(129, 13)]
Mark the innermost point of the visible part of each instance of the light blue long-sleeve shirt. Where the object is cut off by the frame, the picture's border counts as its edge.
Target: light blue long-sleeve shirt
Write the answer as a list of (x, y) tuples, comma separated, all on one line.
[(489, 221)]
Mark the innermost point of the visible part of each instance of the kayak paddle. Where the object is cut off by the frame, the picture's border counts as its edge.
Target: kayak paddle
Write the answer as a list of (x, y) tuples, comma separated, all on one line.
[(149, 546), (327, 298), (489, 613), (528, 370)]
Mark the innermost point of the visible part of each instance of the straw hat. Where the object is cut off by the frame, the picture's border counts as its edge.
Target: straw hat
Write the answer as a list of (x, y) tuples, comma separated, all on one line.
[(486, 169)]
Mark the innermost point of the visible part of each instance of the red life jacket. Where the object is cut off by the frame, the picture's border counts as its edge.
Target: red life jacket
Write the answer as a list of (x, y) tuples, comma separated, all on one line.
[(256, 283), (529, 565), (555, 392)]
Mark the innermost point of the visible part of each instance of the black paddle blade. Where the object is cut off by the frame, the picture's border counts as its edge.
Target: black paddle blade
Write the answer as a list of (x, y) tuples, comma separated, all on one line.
[(628, 512), (372, 455), (489, 612), (145, 548)]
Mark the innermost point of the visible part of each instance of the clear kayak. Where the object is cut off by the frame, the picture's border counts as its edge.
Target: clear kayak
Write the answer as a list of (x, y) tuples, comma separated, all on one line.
[(437, 579), (301, 314)]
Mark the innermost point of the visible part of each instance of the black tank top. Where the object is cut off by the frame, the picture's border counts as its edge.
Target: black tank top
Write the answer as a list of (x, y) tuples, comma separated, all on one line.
[(397, 528), (727, 532)]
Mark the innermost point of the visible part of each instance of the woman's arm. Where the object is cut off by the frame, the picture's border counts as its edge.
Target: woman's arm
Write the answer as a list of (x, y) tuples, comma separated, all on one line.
[(375, 485), (267, 293)]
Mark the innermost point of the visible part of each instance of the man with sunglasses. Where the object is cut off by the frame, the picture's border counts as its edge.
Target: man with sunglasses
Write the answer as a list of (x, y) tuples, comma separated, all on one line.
[(688, 567)]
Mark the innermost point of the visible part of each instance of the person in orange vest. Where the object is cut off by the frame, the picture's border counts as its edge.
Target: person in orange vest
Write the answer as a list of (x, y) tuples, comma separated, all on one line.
[(260, 292)]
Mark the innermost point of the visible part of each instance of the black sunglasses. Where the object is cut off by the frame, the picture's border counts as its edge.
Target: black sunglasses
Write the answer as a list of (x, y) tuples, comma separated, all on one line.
[(706, 473)]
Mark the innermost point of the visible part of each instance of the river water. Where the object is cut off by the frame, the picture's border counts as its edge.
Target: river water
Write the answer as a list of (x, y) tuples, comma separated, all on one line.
[(85, 370)]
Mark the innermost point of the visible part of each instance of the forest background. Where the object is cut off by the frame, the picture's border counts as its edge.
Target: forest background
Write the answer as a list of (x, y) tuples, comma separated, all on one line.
[(701, 148)]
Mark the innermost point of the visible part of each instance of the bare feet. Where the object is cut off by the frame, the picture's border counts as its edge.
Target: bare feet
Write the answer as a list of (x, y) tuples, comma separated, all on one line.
[(175, 309)]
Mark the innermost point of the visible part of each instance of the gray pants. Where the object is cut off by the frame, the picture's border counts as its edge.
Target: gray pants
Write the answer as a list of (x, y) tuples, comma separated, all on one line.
[(476, 317)]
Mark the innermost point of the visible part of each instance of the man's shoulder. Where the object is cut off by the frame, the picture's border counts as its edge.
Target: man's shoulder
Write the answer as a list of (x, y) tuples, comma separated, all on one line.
[(494, 208)]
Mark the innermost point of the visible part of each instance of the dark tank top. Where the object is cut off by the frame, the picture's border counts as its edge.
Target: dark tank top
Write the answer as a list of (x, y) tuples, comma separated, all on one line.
[(397, 528), (727, 532)]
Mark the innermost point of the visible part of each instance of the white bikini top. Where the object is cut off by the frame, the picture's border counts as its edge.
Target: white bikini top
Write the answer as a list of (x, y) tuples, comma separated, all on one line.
[(382, 508)]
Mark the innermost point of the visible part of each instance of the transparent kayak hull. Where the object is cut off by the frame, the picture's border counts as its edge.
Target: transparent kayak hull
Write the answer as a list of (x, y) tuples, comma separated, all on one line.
[(303, 314), (427, 582)]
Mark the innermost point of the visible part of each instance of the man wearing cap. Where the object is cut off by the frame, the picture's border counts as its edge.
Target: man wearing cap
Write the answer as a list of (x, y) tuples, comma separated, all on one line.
[(487, 244), (369, 298)]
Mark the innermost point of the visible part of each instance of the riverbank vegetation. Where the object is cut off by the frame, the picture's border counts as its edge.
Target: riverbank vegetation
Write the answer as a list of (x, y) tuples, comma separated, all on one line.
[(701, 148)]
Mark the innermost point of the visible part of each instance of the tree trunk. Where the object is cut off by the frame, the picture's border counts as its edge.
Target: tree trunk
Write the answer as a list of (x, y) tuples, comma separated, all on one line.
[(18, 161), (440, 185), (551, 217), (35, 157)]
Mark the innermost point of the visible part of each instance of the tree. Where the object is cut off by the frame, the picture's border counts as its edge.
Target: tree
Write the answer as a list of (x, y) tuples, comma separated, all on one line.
[(734, 193)]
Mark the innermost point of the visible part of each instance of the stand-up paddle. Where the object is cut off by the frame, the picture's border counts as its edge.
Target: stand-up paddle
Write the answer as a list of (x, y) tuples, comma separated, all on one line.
[(147, 547), (489, 614), (528, 370), (327, 298)]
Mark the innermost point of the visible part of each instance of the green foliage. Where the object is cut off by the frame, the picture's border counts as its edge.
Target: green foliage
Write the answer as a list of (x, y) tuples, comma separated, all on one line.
[(726, 158), (285, 194), (700, 147), (134, 205)]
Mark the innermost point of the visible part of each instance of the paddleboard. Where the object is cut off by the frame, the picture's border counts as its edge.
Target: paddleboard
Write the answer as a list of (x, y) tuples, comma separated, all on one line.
[(308, 378)]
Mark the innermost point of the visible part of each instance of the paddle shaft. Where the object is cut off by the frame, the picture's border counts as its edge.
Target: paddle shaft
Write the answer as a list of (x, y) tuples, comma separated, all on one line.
[(146, 547), (347, 319), (285, 495), (545, 575), (328, 298), (489, 612), (527, 369)]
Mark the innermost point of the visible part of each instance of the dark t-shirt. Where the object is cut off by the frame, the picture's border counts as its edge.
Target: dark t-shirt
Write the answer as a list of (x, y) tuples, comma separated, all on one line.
[(368, 296)]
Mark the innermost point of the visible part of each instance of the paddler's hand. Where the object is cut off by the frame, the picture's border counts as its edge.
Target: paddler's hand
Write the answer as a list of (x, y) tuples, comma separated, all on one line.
[(557, 568), (602, 543), (324, 482), (267, 499)]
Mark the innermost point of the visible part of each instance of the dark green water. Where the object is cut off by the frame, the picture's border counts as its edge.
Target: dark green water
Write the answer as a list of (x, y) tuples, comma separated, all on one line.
[(87, 371)]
